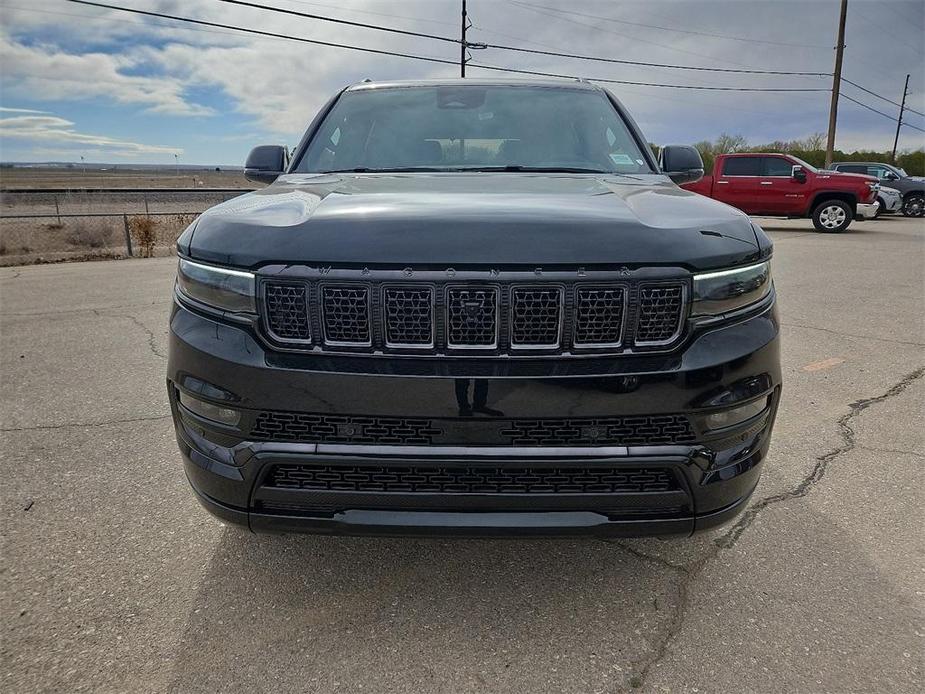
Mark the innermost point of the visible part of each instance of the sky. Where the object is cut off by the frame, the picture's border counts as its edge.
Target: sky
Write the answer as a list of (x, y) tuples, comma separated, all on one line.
[(79, 81)]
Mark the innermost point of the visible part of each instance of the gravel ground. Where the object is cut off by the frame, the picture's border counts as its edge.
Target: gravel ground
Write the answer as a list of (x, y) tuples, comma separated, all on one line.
[(114, 579)]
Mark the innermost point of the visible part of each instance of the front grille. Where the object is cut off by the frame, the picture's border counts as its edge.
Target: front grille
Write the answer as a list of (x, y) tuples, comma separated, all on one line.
[(409, 316), (472, 317), (536, 316), (317, 428), (346, 314), (641, 430), (599, 316), (287, 311), (659, 314), (472, 479), (443, 316), (647, 430)]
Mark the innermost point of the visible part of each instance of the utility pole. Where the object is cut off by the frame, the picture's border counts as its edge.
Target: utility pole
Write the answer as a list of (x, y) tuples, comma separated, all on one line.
[(899, 123), (462, 43), (836, 83)]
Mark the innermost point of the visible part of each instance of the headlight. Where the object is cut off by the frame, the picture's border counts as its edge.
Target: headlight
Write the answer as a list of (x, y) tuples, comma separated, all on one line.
[(228, 290), (721, 292)]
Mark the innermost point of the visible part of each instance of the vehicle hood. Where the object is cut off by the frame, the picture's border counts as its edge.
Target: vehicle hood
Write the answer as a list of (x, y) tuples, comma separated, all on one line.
[(847, 178), (455, 219)]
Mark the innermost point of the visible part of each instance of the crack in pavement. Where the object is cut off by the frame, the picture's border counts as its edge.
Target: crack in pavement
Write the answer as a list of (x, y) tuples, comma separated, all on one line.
[(896, 451), (855, 335), (152, 337), (690, 572), (72, 425), (95, 311)]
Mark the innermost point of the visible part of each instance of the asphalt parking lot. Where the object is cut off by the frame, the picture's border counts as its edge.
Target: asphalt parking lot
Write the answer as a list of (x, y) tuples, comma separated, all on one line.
[(114, 579)]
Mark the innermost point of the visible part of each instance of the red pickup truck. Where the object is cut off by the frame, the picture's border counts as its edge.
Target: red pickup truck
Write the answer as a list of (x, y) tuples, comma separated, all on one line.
[(780, 185)]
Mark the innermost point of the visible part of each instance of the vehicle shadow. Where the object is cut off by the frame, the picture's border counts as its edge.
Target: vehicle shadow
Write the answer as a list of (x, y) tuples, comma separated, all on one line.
[(318, 613)]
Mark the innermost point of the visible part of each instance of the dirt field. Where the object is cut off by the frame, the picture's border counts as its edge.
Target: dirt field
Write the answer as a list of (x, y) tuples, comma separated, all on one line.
[(120, 178)]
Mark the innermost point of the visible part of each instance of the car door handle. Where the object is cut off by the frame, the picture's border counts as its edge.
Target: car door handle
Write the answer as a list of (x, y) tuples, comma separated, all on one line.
[(767, 183), (722, 182)]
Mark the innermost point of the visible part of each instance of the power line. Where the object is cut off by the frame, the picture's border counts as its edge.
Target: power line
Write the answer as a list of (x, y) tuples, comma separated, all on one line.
[(664, 28), (648, 84), (307, 15), (663, 65), (258, 32), (885, 115), (410, 56), (864, 89), (282, 10)]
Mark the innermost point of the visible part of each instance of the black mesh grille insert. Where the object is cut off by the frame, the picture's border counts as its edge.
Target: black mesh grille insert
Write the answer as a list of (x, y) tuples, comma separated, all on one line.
[(345, 309), (409, 316), (472, 316), (599, 315), (659, 313), (611, 431), (536, 314), (317, 428), (287, 311), (465, 479)]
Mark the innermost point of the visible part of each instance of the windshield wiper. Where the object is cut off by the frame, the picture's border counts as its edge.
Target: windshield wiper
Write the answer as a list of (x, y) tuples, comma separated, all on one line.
[(391, 169), (538, 169)]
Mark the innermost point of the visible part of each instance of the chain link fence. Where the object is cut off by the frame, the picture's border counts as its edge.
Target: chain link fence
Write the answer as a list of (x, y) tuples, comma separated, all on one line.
[(61, 223)]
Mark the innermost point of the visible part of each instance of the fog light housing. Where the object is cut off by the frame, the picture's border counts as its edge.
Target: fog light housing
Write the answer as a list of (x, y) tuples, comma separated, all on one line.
[(215, 413), (735, 415)]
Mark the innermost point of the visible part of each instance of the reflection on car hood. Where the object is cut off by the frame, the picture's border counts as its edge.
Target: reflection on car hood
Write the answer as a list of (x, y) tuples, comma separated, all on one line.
[(445, 219)]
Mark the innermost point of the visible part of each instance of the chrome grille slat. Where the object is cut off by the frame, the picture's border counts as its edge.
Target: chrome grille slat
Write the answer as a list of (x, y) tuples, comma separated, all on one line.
[(599, 316), (659, 314), (433, 316), (472, 317), (409, 316), (536, 317), (287, 311), (346, 314)]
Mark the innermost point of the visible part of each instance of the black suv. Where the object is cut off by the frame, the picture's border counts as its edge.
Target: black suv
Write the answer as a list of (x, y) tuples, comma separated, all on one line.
[(474, 307), (912, 188)]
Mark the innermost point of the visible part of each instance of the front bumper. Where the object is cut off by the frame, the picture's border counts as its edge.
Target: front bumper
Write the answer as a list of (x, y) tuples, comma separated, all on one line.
[(465, 472), (867, 210)]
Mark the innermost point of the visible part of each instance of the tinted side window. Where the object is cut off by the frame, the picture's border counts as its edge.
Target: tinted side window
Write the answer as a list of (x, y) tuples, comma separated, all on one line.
[(848, 168), (776, 166), (742, 166)]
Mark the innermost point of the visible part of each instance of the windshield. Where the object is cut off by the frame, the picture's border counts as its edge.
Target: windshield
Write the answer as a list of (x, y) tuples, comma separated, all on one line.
[(453, 128), (808, 167), (902, 172)]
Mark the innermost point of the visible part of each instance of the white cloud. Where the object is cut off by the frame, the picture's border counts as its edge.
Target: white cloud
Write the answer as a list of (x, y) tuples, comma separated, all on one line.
[(4, 109), (45, 130), (30, 70)]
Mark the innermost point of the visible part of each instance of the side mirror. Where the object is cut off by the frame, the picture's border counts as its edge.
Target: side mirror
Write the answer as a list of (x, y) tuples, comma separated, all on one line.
[(266, 163), (799, 174), (681, 163)]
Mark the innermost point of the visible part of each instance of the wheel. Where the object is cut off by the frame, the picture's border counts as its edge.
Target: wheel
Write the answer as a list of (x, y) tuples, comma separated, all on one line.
[(914, 205), (832, 216)]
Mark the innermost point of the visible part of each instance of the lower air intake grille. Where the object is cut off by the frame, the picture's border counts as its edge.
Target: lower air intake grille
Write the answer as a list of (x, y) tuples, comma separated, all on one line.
[(316, 428), (659, 318), (651, 430), (536, 315), (473, 479), (472, 317), (287, 311), (346, 314)]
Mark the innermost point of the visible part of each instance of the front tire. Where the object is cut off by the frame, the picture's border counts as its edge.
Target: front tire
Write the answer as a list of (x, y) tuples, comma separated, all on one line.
[(914, 205), (880, 208), (832, 216)]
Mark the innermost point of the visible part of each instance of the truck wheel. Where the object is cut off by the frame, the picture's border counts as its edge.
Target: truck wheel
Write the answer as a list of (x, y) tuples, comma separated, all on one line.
[(832, 216), (914, 205)]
